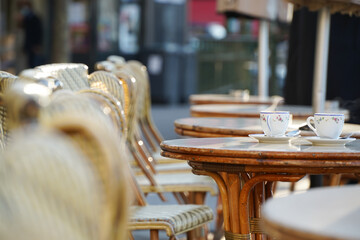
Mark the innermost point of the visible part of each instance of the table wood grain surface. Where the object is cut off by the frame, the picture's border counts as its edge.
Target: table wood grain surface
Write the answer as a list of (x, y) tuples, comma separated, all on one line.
[(245, 171), (252, 111), (236, 127), (197, 99)]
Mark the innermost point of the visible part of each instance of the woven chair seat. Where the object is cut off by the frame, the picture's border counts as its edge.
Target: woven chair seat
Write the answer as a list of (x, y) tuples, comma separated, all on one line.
[(173, 167), (179, 182), (49, 191), (174, 219), (181, 167), (163, 160)]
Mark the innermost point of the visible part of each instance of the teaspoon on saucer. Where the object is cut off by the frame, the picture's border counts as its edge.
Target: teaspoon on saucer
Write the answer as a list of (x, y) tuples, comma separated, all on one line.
[(293, 133), (346, 136)]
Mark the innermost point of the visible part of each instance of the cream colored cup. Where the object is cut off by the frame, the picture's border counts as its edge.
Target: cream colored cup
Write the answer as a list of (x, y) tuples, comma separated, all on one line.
[(274, 123), (327, 125)]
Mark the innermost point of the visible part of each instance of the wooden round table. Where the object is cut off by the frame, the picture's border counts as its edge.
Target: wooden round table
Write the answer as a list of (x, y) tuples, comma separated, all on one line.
[(197, 99), (238, 127), (319, 214), (251, 111), (241, 164)]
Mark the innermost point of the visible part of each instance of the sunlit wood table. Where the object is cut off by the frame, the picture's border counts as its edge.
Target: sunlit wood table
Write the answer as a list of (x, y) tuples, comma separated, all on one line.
[(241, 164), (318, 214), (197, 99), (238, 127), (251, 111)]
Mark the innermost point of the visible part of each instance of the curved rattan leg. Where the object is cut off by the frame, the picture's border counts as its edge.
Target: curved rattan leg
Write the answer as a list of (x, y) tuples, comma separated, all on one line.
[(233, 193), (223, 193), (154, 234), (154, 146), (131, 237), (219, 218), (334, 179), (269, 189), (245, 191), (259, 198)]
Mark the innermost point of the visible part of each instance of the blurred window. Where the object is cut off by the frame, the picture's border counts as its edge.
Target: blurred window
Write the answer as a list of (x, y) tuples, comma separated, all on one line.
[(78, 12), (107, 34), (129, 27)]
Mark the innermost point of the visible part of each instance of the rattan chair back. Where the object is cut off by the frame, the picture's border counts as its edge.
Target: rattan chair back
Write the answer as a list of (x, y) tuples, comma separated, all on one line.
[(105, 66), (6, 81), (49, 190), (93, 133), (72, 75), (110, 106), (150, 130), (117, 60)]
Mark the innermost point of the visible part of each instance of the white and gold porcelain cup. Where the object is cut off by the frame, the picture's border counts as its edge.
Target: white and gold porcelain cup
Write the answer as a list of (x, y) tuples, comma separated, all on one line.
[(327, 125), (274, 123)]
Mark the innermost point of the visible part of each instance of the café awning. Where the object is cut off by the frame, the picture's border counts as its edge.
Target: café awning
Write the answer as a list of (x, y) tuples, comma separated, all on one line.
[(325, 8)]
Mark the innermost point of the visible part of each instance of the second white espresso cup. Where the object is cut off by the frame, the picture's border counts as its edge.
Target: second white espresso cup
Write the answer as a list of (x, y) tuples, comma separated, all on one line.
[(327, 125), (274, 123)]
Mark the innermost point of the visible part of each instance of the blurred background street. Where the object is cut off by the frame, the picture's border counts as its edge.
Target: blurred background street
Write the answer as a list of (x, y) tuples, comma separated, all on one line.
[(189, 46)]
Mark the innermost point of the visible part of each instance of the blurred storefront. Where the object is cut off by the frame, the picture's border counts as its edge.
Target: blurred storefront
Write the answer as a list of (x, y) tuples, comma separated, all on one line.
[(187, 45)]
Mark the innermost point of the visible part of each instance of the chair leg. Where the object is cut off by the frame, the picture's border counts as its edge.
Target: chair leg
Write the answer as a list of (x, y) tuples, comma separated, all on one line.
[(219, 215), (335, 179), (190, 235), (154, 234), (199, 233), (292, 187), (131, 237)]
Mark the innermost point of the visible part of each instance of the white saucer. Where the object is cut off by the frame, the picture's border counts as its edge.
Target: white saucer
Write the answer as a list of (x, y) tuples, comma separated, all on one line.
[(262, 138), (318, 141)]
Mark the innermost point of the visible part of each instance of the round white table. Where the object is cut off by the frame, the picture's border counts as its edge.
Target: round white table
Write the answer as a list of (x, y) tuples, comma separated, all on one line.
[(322, 213)]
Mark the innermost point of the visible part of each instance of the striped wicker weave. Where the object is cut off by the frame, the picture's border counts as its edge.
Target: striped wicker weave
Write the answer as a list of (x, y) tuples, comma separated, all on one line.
[(152, 182), (174, 219), (48, 190), (145, 122), (6, 81), (110, 106), (72, 75), (91, 131), (104, 81)]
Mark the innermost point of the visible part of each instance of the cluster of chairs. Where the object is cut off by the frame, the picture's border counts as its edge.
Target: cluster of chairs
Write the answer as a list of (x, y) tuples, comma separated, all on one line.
[(80, 153)]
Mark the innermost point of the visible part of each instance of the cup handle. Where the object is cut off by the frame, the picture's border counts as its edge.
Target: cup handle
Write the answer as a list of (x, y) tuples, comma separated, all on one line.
[(310, 126), (268, 122)]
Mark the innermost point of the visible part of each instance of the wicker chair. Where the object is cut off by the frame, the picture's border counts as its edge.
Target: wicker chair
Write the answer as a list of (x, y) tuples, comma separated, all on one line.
[(148, 129), (148, 136), (74, 77), (6, 81), (49, 191), (150, 181), (174, 219)]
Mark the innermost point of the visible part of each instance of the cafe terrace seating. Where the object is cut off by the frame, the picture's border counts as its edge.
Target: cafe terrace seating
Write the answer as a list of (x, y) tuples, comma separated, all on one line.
[(150, 133), (174, 182), (185, 215), (191, 216), (49, 190)]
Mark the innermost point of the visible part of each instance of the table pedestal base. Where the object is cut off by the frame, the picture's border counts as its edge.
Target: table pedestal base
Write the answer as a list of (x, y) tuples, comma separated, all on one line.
[(242, 194)]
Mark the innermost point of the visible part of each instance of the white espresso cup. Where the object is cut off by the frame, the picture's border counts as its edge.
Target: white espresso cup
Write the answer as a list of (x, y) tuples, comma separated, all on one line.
[(274, 123), (327, 125)]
